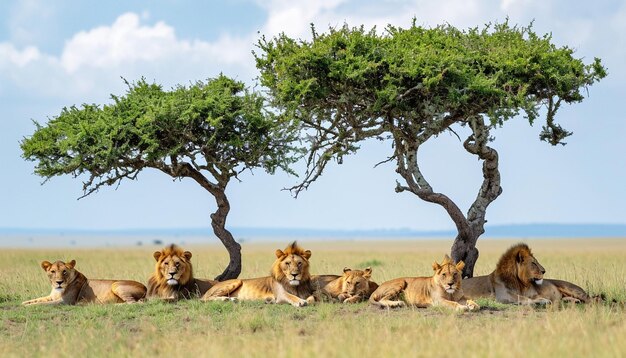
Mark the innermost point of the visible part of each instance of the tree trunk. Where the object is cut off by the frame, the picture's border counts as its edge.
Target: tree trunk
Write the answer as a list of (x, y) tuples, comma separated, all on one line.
[(218, 222), (218, 218), (464, 247)]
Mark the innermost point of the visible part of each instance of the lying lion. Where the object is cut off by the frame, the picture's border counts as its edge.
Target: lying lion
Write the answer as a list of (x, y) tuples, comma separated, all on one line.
[(441, 289), (290, 282), (173, 276), (353, 286), (518, 278), (71, 287)]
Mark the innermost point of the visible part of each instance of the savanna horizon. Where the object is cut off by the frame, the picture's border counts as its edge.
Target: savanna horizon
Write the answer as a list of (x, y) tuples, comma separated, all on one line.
[(597, 265)]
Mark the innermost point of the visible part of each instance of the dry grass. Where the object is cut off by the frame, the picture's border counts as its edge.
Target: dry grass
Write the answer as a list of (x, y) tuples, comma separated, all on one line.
[(251, 329)]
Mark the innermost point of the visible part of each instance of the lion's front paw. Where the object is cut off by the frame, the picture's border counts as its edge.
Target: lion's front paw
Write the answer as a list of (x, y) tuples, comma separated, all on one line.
[(353, 299), (270, 300), (473, 306), (542, 301), (300, 303)]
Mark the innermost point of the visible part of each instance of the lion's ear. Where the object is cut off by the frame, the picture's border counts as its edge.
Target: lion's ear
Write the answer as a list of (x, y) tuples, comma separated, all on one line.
[(436, 266), (460, 265), (307, 254), (446, 259), (520, 257), (71, 264), (187, 255), (45, 265), (347, 269), (156, 255), (368, 272), (279, 253)]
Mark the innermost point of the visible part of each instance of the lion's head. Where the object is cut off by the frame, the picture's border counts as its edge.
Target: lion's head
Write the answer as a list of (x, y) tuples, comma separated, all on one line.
[(292, 265), (60, 274), (356, 282), (518, 264), (448, 274), (173, 266)]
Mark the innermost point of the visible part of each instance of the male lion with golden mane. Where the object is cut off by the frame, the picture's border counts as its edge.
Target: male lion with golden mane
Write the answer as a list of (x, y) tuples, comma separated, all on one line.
[(441, 289), (518, 278), (289, 282), (173, 276), (70, 287), (353, 286)]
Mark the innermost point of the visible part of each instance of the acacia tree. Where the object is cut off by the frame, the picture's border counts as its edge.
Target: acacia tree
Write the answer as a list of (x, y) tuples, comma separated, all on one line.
[(410, 85), (209, 131)]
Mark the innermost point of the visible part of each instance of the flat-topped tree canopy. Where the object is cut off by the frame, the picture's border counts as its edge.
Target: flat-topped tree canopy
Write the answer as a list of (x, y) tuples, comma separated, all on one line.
[(409, 85), (208, 131)]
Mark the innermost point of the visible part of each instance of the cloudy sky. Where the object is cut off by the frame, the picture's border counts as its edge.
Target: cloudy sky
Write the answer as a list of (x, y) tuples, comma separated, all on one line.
[(59, 53)]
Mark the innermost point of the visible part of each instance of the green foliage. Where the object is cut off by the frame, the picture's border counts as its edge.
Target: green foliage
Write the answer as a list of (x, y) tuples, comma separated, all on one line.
[(357, 84), (215, 126)]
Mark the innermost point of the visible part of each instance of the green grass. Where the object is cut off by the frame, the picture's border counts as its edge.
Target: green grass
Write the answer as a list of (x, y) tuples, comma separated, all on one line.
[(193, 328)]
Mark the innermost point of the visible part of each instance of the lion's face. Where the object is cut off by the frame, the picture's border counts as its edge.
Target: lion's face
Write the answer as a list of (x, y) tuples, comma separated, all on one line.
[(529, 269), (174, 266), (448, 274), (293, 264), (356, 282), (60, 274)]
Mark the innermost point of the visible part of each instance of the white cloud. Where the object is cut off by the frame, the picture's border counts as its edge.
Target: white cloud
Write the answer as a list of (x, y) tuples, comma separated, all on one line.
[(92, 61), (10, 56)]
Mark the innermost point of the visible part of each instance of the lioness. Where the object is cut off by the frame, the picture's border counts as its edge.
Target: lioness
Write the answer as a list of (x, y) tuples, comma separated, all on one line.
[(518, 278), (173, 276), (353, 286), (71, 287), (441, 289), (289, 282)]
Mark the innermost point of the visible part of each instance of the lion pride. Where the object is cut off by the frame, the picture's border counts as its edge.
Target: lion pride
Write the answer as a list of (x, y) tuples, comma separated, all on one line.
[(173, 276), (289, 282), (441, 289), (519, 278), (70, 287), (351, 287)]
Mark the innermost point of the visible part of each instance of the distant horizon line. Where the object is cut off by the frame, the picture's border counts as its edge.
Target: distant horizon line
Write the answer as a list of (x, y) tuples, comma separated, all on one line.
[(527, 229)]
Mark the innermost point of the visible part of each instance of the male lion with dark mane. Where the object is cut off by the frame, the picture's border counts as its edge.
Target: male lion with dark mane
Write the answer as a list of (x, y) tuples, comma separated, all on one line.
[(518, 278), (173, 276), (351, 287), (70, 287), (289, 282), (441, 289)]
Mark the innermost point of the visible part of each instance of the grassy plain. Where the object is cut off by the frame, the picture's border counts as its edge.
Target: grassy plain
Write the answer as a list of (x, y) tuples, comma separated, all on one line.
[(247, 329)]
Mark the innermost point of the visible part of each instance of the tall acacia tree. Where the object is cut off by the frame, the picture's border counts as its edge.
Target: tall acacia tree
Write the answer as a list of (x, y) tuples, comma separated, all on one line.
[(208, 131), (410, 85)]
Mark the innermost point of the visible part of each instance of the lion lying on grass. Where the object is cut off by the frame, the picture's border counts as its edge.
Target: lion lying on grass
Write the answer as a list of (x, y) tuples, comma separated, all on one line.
[(441, 289), (351, 287), (518, 278), (71, 287), (173, 276), (289, 282)]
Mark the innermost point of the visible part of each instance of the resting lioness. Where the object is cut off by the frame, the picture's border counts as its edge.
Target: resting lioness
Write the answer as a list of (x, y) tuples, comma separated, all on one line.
[(518, 278), (351, 287), (441, 289), (71, 287)]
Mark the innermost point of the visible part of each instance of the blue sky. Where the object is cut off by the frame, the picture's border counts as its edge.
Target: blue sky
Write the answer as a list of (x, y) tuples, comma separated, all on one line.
[(59, 53)]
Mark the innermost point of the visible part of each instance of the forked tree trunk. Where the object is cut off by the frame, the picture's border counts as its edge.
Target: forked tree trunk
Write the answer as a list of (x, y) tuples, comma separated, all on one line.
[(218, 222), (469, 227)]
